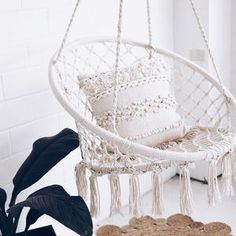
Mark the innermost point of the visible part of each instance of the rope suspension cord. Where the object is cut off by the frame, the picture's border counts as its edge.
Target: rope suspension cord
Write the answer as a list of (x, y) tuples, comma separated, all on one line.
[(68, 30), (149, 22), (116, 82), (119, 33), (203, 34)]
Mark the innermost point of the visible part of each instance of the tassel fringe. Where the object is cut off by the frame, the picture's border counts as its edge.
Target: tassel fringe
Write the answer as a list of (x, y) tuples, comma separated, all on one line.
[(234, 165), (94, 196), (115, 194), (227, 168), (134, 195), (157, 194), (186, 195), (214, 195), (81, 180)]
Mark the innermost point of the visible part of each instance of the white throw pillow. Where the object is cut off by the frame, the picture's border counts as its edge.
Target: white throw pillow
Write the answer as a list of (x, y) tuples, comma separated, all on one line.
[(146, 111)]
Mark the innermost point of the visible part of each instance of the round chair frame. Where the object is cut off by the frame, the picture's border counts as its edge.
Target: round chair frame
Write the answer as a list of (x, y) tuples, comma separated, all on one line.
[(208, 107)]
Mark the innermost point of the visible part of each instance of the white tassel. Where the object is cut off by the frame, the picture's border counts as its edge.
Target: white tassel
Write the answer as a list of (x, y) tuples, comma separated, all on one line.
[(134, 195), (227, 168), (186, 195), (115, 194), (214, 195), (94, 196), (234, 165), (81, 180), (157, 194)]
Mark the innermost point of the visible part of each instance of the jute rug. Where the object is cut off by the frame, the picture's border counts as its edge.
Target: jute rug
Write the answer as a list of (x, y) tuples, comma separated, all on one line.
[(175, 225)]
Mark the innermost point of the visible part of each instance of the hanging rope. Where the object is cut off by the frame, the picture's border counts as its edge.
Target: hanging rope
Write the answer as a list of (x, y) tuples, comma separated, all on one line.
[(116, 82), (119, 32), (203, 34), (149, 27), (68, 30)]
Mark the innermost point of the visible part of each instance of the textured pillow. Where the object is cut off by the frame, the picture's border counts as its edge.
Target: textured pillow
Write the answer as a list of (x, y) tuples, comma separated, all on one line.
[(146, 110)]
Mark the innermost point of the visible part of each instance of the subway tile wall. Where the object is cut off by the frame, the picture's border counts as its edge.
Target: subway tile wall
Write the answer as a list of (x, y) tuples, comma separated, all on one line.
[(233, 41), (28, 109)]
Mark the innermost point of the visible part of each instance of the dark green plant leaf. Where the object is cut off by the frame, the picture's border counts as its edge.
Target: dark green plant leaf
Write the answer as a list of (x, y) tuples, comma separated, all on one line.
[(33, 214), (54, 201), (31, 218), (3, 198), (50, 190), (46, 153), (5, 227)]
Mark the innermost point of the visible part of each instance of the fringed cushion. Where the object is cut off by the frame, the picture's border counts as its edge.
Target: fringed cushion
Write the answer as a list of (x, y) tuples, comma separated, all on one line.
[(146, 110)]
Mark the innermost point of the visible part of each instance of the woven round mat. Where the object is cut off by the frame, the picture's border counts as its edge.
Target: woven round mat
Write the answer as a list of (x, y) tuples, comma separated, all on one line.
[(176, 225)]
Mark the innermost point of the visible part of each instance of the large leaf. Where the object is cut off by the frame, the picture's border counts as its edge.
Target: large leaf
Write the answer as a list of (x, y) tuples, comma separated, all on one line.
[(33, 214), (54, 201), (31, 218), (5, 227), (46, 153), (3, 217), (3, 198)]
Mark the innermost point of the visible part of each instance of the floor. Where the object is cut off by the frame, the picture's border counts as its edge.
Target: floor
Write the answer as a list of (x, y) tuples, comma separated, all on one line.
[(224, 211)]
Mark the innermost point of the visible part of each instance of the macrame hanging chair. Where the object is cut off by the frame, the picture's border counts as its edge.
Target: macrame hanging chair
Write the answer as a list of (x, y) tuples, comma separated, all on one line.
[(127, 99)]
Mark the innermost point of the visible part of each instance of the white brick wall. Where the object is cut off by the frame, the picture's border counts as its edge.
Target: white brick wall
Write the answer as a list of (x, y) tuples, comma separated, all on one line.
[(5, 147), (233, 52), (28, 109), (13, 55), (23, 25), (1, 90), (9, 5), (18, 83)]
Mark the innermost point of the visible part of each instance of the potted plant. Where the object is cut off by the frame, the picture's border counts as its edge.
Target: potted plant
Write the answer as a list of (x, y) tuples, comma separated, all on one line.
[(53, 200)]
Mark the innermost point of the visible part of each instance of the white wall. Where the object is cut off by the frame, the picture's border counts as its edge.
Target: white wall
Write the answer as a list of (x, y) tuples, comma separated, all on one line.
[(220, 37), (31, 31), (233, 45), (186, 33), (215, 16)]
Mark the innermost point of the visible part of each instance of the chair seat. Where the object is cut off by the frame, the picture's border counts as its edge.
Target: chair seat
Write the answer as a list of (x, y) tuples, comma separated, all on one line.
[(215, 142)]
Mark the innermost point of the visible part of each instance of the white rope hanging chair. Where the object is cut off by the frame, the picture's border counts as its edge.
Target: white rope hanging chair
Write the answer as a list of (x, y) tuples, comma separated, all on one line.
[(205, 104)]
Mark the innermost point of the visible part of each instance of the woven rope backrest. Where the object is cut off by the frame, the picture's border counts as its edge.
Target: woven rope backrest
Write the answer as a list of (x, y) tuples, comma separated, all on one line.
[(199, 102)]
